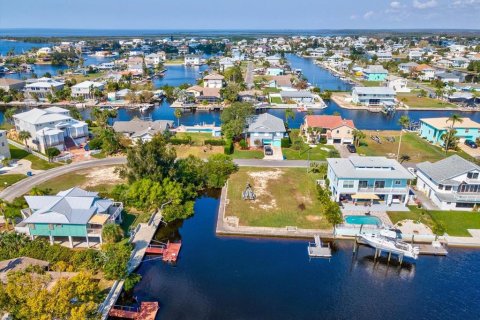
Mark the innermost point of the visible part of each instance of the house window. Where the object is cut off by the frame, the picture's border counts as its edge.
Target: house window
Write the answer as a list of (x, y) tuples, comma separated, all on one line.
[(31, 226), (362, 184), (58, 226), (472, 175), (50, 226), (448, 188), (380, 184), (338, 131), (348, 184), (440, 187), (467, 130), (398, 182)]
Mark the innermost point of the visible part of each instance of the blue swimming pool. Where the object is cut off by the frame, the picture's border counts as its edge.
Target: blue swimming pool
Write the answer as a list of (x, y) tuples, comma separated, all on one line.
[(363, 220)]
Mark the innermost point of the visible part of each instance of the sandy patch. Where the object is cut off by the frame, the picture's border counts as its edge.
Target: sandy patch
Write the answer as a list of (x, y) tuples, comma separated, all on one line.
[(313, 218), (260, 181), (102, 175), (413, 227)]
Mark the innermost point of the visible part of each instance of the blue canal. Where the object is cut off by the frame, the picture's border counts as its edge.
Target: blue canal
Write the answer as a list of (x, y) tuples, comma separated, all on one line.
[(249, 278)]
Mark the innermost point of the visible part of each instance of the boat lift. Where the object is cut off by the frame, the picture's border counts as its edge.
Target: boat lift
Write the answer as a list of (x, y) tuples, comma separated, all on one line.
[(318, 249)]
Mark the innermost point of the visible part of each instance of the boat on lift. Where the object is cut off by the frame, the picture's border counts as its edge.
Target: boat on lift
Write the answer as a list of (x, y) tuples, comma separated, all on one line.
[(387, 241)]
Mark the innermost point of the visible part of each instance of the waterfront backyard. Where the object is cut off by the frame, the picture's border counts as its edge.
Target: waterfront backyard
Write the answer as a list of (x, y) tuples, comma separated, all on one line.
[(284, 197)]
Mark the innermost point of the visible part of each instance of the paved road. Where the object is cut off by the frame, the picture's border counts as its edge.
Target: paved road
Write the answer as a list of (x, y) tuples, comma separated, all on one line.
[(23, 186), (249, 75)]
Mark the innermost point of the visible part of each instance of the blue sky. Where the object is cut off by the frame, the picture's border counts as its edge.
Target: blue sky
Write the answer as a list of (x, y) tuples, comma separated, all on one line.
[(240, 14)]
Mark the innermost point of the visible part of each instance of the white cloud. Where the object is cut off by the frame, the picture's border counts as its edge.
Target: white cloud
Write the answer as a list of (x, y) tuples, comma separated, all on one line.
[(353, 17), (395, 4), (368, 15), (424, 5), (465, 3)]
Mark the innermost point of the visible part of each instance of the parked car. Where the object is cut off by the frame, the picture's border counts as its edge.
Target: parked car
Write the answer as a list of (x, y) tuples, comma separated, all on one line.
[(268, 151), (471, 144), (351, 148)]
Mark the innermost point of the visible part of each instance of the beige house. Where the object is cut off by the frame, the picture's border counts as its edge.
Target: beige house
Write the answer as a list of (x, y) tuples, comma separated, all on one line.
[(333, 128)]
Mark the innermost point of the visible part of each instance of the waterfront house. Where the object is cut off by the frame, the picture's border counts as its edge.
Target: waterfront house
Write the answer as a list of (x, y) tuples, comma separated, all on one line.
[(274, 60), (398, 84), (73, 214), (425, 72), (298, 96), (333, 128), (137, 129), (375, 73), (253, 96), (51, 127), (4, 148), (432, 129), (414, 55), (407, 67), (274, 71), (266, 129), (200, 93), (213, 80), (41, 88), (153, 59), (8, 84), (373, 96), (368, 178), (86, 89), (452, 183), (226, 63), (447, 77), (192, 60)]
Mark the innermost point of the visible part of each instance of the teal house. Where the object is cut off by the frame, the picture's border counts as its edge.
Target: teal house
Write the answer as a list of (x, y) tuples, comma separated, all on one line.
[(432, 129), (75, 215), (375, 73)]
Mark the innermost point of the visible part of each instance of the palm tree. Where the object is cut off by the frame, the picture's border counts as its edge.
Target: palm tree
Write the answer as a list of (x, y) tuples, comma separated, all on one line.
[(24, 136), (8, 115), (453, 119), (289, 114), (112, 232), (404, 157), (178, 115), (358, 136), (404, 122)]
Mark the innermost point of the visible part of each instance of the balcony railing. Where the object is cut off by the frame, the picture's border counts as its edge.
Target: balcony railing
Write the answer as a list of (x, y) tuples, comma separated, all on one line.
[(94, 231), (467, 197), (384, 190), (117, 209)]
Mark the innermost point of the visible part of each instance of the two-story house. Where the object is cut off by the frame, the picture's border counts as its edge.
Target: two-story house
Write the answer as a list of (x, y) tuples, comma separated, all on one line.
[(4, 148), (333, 128), (41, 88), (86, 89), (213, 80), (452, 183), (433, 129), (375, 73), (51, 127), (266, 129), (73, 214), (192, 60), (368, 178), (373, 96)]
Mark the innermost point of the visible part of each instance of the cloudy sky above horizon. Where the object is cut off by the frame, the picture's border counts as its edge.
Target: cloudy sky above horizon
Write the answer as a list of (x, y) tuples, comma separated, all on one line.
[(240, 14)]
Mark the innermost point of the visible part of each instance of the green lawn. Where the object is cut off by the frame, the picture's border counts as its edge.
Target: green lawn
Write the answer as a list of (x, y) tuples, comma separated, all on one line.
[(456, 222), (131, 219), (367, 83), (414, 101), (302, 151), (285, 197), (7, 180), (276, 100), (37, 163), (247, 154), (413, 145), (197, 138)]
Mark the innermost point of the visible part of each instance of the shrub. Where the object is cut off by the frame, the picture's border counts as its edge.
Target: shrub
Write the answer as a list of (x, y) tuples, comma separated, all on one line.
[(286, 143), (228, 149), (95, 144), (214, 142), (243, 144), (333, 153), (176, 141)]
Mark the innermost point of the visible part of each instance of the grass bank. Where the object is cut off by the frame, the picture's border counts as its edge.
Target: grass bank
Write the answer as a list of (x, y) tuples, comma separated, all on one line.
[(37, 163)]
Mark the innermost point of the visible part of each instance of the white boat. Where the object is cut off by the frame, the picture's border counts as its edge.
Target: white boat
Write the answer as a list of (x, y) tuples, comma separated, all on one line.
[(387, 243), (144, 108)]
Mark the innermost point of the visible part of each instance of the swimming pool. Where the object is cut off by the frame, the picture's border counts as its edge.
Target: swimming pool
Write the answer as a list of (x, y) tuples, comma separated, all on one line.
[(370, 220)]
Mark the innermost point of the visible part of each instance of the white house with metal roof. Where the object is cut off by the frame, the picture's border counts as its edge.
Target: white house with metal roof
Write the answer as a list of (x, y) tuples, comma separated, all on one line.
[(51, 127), (73, 214), (368, 178), (42, 87), (265, 129), (86, 89), (452, 183), (373, 96)]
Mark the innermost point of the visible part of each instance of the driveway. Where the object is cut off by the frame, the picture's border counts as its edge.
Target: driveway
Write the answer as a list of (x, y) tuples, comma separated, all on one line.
[(471, 152), (277, 154), (342, 149)]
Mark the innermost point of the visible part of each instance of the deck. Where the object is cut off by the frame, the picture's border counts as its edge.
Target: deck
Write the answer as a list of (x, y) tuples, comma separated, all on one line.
[(147, 311), (169, 252)]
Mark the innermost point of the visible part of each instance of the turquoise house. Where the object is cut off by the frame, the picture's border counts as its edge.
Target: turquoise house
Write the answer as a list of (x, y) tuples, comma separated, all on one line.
[(375, 73), (432, 129), (73, 214)]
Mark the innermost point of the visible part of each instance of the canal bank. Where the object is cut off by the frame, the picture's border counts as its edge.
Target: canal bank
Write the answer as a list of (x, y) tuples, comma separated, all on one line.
[(217, 277)]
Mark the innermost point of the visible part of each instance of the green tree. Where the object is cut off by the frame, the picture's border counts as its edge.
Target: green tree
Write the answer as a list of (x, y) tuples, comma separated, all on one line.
[(24, 136), (234, 119), (178, 115), (115, 260), (8, 115), (75, 113), (450, 141), (404, 157), (289, 114), (218, 168), (52, 153), (112, 232), (358, 136)]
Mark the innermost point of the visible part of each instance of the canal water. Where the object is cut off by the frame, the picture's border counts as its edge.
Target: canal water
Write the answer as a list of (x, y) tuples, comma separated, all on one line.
[(249, 278)]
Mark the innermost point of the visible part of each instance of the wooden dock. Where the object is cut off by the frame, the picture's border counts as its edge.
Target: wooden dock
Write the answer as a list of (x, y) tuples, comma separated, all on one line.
[(318, 249), (147, 311), (169, 252), (429, 249)]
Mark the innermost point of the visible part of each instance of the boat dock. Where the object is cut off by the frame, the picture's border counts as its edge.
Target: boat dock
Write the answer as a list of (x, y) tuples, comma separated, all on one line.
[(147, 311), (433, 249), (318, 249), (169, 251)]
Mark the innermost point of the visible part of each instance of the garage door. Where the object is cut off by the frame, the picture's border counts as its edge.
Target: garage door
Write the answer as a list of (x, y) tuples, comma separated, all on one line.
[(267, 142), (337, 140)]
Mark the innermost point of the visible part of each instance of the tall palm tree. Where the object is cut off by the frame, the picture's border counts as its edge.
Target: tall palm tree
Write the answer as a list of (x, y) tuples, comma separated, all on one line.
[(178, 115), (289, 114), (24, 136), (404, 122), (454, 118)]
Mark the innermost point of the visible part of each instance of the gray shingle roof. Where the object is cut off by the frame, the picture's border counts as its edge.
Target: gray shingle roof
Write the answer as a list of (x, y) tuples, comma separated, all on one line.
[(444, 170), (137, 127), (266, 123)]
